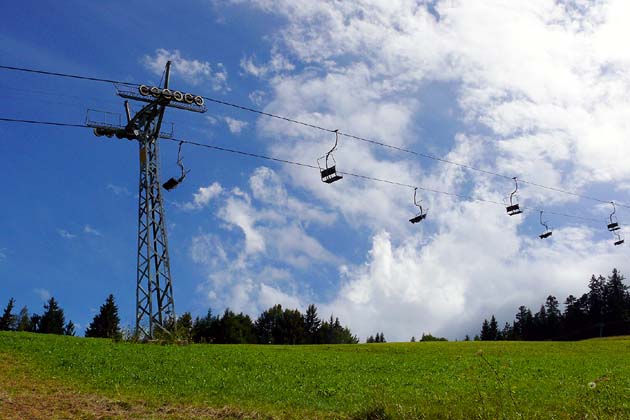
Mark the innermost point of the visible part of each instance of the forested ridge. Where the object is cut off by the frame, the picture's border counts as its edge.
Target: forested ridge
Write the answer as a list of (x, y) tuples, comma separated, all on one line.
[(601, 312)]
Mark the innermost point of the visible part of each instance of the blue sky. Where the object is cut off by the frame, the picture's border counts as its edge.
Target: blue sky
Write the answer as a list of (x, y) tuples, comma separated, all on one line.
[(534, 90)]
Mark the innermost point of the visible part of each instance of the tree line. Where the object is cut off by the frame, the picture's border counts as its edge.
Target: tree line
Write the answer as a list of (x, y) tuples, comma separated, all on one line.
[(603, 311), (52, 320), (274, 326)]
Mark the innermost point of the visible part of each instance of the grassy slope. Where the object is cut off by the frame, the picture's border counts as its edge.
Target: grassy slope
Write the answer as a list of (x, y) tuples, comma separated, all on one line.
[(446, 380)]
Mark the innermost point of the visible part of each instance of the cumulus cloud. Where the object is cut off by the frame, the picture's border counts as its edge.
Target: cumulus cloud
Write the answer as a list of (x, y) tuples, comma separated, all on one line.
[(203, 196), (89, 230), (277, 64), (192, 71), (537, 90), (118, 189), (43, 294), (257, 97), (65, 234), (235, 126), (271, 242)]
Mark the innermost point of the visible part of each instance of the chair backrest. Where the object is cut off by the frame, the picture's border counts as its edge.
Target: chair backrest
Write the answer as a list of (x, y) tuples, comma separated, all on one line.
[(513, 209), (613, 226), (328, 171)]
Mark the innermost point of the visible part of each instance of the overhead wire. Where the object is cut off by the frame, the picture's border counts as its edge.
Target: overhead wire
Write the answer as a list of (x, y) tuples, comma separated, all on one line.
[(321, 128), (67, 75), (310, 166)]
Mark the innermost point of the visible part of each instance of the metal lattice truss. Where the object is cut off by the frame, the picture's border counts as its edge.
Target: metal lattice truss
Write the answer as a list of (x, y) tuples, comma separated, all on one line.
[(155, 307)]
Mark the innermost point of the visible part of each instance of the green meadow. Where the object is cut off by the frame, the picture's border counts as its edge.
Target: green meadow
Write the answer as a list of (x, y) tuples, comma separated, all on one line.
[(453, 380)]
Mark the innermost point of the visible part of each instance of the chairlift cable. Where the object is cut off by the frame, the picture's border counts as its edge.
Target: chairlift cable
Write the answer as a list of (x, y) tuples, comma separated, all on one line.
[(71, 76), (314, 126), (306, 165)]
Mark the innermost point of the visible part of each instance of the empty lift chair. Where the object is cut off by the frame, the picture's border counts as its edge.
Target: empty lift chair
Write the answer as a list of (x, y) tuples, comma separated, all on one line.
[(174, 182), (514, 209), (547, 233), (328, 170), (614, 224), (620, 239), (423, 214), (614, 227)]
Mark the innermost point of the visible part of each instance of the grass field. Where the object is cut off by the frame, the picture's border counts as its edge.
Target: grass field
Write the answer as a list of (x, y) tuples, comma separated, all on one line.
[(465, 380)]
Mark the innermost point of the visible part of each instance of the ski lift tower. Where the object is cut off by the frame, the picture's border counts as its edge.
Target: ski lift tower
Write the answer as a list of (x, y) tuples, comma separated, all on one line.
[(155, 306)]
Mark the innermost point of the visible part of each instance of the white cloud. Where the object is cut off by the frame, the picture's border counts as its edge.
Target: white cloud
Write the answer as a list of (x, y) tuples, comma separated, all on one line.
[(271, 243), (277, 64), (203, 196), (192, 71), (235, 126), (257, 97), (42, 293), (65, 234), (539, 90), (3, 254), (87, 229), (118, 190)]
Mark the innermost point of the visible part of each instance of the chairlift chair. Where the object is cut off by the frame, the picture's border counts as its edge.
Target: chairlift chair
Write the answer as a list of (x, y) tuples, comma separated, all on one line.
[(619, 240), (547, 233), (174, 182), (514, 209), (423, 214), (329, 172), (614, 224)]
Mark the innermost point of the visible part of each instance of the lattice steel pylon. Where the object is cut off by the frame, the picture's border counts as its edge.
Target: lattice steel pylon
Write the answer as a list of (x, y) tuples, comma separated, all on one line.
[(155, 306)]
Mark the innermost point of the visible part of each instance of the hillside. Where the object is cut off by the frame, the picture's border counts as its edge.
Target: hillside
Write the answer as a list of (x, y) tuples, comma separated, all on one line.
[(46, 376)]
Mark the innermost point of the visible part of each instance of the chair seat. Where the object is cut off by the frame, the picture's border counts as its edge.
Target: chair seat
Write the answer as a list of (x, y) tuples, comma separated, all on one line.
[(170, 184), (418, 218), (331, 179)]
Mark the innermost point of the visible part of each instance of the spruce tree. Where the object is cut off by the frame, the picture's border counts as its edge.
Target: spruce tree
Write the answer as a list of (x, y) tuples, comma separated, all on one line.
[(7, 321), (53, 319), (184, 326), (616, 307), (494, 329), (485, 330), (312, 323), (106, 323), (34, 323), (69, 329), (23, 320)]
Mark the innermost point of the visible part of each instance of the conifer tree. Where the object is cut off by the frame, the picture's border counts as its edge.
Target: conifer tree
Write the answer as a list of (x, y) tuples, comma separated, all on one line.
[(485, 331), (312, 324), (69, 329), (7, 321), (494, 329), (23, 320), (34, 323), (106, 323), (184, 326), (53, 319)]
